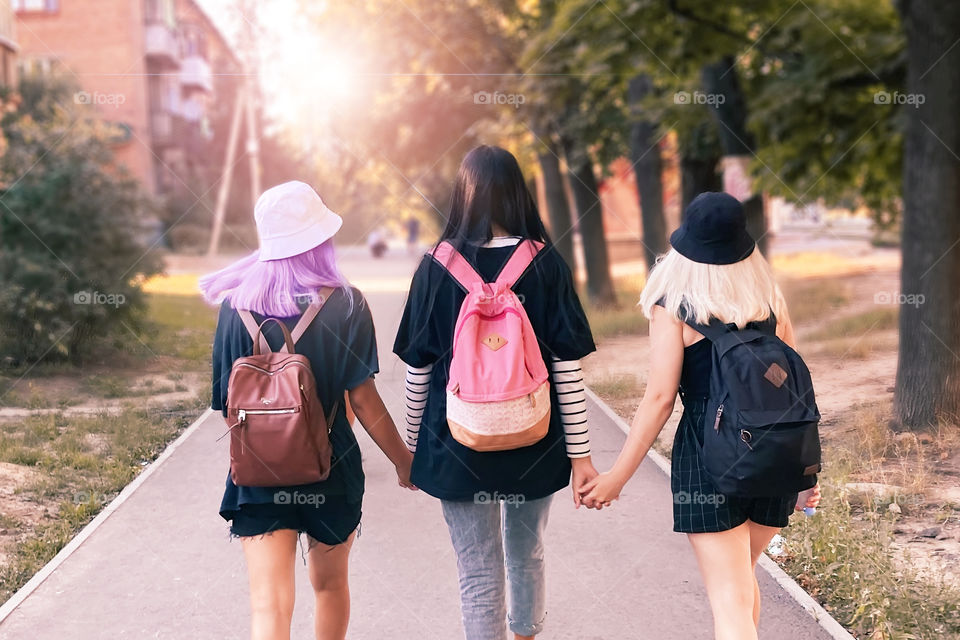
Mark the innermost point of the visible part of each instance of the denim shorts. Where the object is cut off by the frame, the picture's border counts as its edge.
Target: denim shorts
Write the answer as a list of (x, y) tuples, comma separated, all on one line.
[(330, 523)]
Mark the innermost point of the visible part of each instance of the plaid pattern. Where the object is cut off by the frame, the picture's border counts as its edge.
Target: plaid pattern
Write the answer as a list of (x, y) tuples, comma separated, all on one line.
[(697, 506)]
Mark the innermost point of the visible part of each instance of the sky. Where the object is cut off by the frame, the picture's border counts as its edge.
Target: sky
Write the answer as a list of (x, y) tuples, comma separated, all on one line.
[(301, 77)]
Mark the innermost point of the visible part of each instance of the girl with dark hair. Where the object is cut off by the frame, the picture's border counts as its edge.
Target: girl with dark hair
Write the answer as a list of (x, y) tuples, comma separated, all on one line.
[(496, 502)]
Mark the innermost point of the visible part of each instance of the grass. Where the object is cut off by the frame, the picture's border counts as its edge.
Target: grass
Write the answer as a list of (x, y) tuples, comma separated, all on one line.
[(810, 300), (857, 325), (181, 326), (844, 555), (625, 319), (617, 387), (82, 463)]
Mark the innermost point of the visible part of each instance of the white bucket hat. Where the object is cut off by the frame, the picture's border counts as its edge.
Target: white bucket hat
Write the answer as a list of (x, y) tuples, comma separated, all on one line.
[(292, 219)]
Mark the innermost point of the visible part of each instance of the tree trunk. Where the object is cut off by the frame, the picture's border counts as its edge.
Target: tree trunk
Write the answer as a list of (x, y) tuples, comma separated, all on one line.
[(696, 176), (648, 168), (928, 370), (558, 209), (583, 184), (720, 79)]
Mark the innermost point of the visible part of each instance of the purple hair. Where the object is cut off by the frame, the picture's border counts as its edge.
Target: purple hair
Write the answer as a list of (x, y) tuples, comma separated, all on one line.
[(274, 287)]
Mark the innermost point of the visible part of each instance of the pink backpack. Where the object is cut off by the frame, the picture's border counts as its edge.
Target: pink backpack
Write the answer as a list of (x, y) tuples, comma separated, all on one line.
[(498, 396)]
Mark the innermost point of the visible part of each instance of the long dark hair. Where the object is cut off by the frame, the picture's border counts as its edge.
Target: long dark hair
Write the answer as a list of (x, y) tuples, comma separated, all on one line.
[(490, 191)]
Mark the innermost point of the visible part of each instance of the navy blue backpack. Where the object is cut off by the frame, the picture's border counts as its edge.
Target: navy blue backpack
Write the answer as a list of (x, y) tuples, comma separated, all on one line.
[(760, 430)]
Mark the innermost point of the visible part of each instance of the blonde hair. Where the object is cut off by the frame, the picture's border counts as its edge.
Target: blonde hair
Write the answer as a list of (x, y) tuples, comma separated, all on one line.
[(737, 293)]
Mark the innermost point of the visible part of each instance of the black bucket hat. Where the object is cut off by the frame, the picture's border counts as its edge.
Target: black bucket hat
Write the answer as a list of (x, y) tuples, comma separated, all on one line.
[(714, 230)]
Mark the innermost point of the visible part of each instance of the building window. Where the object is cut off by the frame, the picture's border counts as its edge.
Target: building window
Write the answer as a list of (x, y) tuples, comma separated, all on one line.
[(38, 66), (45, 6)]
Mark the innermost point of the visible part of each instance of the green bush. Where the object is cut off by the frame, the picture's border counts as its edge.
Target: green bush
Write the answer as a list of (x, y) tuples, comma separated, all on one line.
[(72, 248)]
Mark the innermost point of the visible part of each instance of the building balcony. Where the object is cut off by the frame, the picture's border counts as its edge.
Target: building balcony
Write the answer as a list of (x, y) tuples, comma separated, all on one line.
[(161, 45), (196, 74)]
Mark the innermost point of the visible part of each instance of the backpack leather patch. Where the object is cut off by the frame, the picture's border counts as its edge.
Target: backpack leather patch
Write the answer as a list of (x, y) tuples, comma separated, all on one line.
[(494, 341), (776, 375)]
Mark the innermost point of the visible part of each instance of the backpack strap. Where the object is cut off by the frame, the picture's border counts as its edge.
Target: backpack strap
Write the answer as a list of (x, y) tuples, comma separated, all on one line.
[(310, 313), (301, 327), (456, 265), (253, 329), (519, 261)]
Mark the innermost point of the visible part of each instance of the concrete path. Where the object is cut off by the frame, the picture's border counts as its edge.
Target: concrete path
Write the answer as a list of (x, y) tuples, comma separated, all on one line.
[(161, 564)]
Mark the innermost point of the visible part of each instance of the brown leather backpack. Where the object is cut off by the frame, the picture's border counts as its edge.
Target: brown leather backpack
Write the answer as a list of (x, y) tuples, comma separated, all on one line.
[(279, 435)]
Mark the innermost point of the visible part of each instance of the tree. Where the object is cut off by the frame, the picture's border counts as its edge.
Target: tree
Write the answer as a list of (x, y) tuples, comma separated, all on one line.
[(71, 236), (648, 166), (928, 369), (558, 209)]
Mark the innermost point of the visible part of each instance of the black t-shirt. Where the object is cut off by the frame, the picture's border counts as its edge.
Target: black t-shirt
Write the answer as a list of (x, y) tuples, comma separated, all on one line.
[(443, 467), (342, 348)]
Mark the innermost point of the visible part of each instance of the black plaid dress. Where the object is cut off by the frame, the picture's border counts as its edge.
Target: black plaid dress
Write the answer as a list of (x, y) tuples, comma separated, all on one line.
[(697, 506)]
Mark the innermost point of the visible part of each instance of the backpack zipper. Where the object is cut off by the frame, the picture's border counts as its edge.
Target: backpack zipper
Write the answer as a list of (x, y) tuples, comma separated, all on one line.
[(243, 413), (716, 423), (270, 373)]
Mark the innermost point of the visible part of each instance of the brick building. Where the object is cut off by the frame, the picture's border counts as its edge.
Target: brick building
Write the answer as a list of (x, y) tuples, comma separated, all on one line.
[(8, 46), (148, 66)]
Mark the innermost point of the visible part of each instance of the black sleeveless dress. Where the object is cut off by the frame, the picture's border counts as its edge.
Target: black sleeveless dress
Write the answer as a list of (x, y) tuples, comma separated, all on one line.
[(697, 506)]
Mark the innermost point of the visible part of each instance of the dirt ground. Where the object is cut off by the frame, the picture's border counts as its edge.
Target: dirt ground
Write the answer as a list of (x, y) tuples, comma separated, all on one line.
[(852, 374)]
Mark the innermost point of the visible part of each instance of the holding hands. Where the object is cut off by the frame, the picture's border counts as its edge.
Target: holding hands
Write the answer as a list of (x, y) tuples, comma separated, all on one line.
[(592, 489)]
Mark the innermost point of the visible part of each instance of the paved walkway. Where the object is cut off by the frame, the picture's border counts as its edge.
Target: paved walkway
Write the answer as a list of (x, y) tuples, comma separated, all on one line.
[(161, 565)]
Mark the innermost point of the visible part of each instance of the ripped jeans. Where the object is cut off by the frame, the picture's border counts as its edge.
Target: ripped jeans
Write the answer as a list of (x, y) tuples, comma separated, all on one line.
[(491, 539)]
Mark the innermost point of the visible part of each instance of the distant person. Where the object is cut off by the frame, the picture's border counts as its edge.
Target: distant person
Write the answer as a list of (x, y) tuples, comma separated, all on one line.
[(715, 280), (495, 488), (377, 242), (413, 235), (296, 260)]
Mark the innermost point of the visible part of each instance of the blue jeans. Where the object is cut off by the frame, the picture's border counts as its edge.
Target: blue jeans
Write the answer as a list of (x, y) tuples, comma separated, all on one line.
[(493, 538)]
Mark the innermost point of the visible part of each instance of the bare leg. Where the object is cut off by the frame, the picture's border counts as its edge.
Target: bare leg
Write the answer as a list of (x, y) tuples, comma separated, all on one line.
[(270, 563), (760, 536), (727, 571), (329, 577)]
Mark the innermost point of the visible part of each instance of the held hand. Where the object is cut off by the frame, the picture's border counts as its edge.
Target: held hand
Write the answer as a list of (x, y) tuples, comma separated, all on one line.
[(403, 473), (602, 490), (809, 498), (583, 472)]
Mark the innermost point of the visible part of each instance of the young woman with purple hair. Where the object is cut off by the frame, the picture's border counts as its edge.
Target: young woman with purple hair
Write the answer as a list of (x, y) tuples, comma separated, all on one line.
[(295, 259)]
